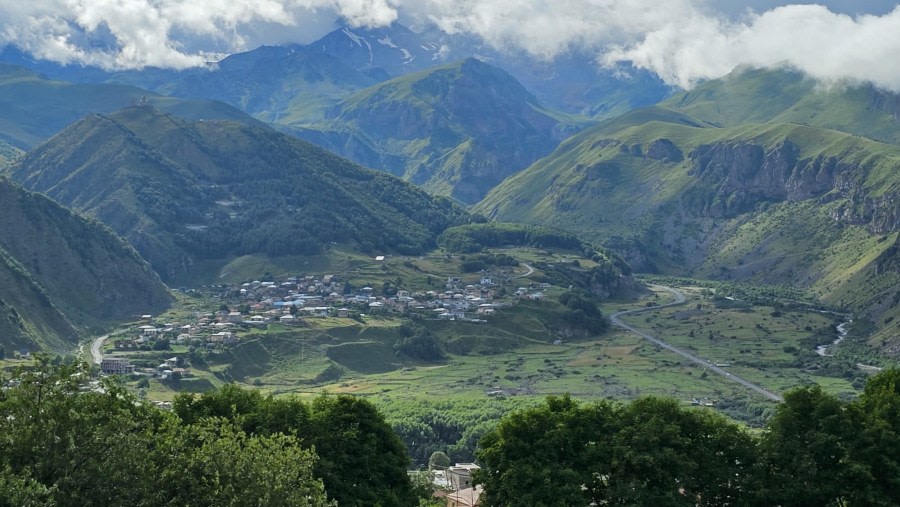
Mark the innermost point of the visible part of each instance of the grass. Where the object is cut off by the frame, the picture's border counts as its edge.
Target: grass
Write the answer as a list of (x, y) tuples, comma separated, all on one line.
[(359, 359), (514, 350)]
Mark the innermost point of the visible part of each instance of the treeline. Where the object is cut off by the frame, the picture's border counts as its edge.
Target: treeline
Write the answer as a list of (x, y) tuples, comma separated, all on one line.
[(816, 450), (63, 444), (476, 237)]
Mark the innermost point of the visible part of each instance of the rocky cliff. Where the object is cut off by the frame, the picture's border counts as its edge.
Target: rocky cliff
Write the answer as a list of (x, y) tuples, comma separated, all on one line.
[(736, 176)]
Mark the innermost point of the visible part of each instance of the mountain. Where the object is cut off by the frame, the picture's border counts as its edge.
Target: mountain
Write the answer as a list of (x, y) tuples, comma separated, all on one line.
[(61, 273), (456, 130), (185, 191), (769, 202), (33, 108), (274, 84), (292, 84), (389, 51), (572, 82), (749, 95)]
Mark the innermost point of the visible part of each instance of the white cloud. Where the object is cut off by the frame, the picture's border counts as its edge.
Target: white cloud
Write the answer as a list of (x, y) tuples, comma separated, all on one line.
[(159, 32), (823, 44), (683, 41)]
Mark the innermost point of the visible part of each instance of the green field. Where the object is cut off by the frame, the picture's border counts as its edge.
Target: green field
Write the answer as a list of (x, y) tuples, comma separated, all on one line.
[(514, 355)]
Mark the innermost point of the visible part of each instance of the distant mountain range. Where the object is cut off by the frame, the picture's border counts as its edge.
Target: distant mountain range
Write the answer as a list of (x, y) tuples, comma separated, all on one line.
[(494, 122), (33, 108), (182, 191), (61, 274)]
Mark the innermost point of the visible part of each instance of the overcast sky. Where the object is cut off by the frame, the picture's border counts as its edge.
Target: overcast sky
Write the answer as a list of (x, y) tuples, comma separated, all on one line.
[(684, 41)]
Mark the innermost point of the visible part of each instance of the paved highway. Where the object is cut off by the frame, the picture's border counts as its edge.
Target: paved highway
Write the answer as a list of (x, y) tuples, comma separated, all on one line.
[(679, 299)]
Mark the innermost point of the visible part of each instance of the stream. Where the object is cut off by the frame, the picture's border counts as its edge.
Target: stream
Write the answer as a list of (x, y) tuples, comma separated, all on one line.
[(842, 333)]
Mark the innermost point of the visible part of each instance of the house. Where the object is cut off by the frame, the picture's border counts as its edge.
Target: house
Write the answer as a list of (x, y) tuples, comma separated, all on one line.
[(116, 366), (284, 319), (148, 330), (487, 281), (235, 317), (468, 497), (343, 313), (460, 475), (317, 311)]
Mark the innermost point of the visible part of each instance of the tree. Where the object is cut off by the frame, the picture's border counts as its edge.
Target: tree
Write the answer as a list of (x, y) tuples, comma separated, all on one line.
[(361, 460), (553, 454), (649, 452), (220, 464), (876, 446), (438, 461), (2, 352), (807, 450)]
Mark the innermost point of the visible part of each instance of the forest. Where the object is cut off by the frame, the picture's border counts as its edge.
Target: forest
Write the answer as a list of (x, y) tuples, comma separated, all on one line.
[(70, 440)]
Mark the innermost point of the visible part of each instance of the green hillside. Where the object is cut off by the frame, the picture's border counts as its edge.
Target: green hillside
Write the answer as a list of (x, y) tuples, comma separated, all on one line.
[(182, 192), (33, 108), (775, 203), (787, 96), (456, 130), (60, 272)]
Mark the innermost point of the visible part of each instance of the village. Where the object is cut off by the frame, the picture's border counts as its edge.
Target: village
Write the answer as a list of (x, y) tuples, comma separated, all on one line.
[(237, 309)]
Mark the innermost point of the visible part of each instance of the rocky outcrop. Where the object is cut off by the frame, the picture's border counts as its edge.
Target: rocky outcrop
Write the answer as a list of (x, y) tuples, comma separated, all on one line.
[(664, 150), (879, 214), (737, 176)]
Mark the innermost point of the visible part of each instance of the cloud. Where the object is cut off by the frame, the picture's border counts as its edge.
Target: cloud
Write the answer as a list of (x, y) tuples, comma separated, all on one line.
[(684, 43), (117, 34), (827, 46)]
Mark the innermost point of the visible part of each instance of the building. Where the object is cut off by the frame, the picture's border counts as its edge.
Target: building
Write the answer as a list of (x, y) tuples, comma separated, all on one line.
[(460, 475), (116, 366), (469, 497)]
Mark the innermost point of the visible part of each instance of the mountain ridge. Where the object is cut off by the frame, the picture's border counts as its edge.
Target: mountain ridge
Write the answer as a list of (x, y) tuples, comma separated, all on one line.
[(456, 130), (184, 191)]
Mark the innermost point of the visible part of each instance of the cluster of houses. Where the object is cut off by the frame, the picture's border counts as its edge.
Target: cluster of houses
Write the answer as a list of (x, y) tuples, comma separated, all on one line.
[(292, 301), (297, 298)]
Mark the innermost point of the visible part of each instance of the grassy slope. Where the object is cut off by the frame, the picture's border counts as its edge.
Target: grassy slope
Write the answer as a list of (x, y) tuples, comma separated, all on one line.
[(785, 96)]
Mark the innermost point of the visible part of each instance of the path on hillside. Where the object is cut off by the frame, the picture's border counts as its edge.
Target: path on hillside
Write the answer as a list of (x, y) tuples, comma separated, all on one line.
[(679, 299), (96, 345), (528, 273)]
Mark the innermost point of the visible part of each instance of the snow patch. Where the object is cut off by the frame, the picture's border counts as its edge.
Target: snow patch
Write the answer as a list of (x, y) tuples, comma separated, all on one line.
[(360, 41), (386, 41), (355, 38)]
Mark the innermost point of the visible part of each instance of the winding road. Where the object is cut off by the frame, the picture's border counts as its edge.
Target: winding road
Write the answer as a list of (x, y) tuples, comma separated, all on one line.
[(679, 299)]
